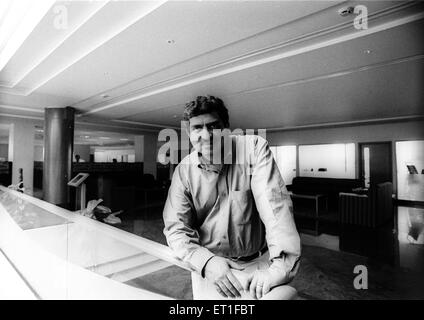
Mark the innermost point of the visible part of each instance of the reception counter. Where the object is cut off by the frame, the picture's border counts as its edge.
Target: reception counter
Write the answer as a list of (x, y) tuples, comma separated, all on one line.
[(52, 253)]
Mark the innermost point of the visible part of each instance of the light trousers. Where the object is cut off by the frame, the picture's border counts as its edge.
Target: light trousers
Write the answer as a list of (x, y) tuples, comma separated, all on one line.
[(205, 290)]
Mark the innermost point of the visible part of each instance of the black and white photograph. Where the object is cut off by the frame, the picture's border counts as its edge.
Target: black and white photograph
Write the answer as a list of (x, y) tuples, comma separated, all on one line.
[(211, 154)]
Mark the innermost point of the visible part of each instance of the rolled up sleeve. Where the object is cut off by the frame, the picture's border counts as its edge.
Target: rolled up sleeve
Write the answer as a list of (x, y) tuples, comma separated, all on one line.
[(276, 210), (180, 232)]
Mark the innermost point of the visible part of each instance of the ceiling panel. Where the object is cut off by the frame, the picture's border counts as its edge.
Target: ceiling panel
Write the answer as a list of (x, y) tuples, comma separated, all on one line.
[(369, 94), (317, 65), (299, 61), (143, 48), (46, 38)]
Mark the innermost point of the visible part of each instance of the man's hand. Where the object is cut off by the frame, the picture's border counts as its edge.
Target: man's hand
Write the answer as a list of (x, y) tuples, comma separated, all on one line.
[(261, 281), (218, 271)]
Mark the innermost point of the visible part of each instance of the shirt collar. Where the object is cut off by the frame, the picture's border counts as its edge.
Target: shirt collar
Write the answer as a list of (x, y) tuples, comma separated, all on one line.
[(217, 168)]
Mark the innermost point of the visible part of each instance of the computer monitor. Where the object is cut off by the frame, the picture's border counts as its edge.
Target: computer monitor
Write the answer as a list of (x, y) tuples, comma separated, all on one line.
[(412, 169), (78, 179)]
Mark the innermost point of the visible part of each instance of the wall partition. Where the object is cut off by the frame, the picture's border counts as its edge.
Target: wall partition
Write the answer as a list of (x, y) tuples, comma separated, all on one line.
[(410, 170), (327, 160), (285, 156)]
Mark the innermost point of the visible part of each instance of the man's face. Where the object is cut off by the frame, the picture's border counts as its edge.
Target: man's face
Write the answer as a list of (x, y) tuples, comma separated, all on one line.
[(201, 133)]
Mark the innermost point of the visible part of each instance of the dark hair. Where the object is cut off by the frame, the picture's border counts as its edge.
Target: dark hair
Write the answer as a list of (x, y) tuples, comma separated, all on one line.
[(206, 104)]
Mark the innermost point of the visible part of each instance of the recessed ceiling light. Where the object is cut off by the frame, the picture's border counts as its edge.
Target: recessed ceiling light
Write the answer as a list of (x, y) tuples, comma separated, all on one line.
[(345, 11), (85, 137), (367, 51)]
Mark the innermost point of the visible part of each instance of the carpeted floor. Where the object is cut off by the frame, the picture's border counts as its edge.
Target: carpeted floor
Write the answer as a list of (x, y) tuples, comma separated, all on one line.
[(327, 274), (177, 284), (323, 274)]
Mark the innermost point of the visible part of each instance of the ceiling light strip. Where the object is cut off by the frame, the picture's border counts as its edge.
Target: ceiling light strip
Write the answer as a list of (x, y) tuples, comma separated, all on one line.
[(82, 124), (98, 44), (2, 106), (19, 31), (13, 15), (20, 116), (55, 47), (349, 123), (146, 124), (5, 7), (17, 91), (331, 75)]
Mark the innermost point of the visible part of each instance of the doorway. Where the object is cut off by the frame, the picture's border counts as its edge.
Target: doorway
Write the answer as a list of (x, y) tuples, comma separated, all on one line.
[(375, 162)]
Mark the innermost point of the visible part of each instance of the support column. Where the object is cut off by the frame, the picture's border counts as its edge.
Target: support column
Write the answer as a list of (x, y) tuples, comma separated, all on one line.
[(146, 151), (58, 147), (21, 152), (150, 154), (139, 148)]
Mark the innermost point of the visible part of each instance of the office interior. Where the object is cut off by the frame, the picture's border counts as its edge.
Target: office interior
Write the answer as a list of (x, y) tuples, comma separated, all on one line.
[(337, 86)]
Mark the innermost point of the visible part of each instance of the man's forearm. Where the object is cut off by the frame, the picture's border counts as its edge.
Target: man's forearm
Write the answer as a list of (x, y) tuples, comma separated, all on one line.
[(199, 258), (286, 268), (202, 272), (189, 250)]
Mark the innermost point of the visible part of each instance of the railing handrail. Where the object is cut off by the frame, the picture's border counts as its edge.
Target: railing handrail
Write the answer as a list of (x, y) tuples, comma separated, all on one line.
[(49, 276)]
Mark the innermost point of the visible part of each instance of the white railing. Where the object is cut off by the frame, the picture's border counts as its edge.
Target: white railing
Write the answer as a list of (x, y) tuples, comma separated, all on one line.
[(52, 277)]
